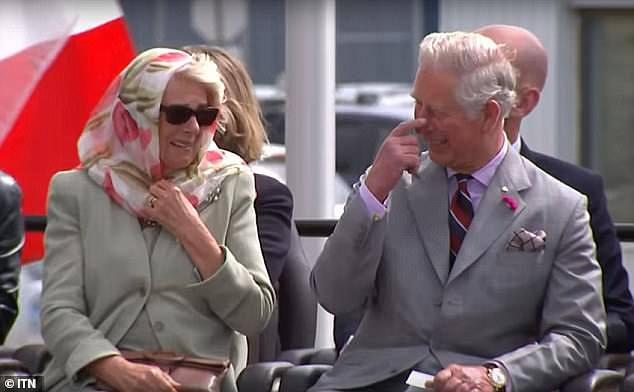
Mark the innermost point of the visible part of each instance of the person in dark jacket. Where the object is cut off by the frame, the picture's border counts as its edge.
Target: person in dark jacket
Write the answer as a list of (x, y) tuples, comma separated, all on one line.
[(531, 61), (11, 243)]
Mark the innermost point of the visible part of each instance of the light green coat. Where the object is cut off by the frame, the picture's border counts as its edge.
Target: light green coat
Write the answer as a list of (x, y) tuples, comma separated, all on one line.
[(98, 276)]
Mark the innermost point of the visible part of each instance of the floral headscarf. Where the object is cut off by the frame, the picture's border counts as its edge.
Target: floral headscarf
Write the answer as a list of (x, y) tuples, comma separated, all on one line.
[(120, 143)]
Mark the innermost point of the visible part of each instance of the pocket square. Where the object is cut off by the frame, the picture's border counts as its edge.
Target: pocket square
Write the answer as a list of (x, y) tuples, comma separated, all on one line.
[(527, 241)]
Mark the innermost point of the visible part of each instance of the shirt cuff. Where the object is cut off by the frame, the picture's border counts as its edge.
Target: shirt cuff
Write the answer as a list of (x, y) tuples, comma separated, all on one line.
[(376, 209)]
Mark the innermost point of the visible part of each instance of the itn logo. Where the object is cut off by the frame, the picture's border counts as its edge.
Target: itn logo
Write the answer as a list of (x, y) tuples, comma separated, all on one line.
[(21, 383)]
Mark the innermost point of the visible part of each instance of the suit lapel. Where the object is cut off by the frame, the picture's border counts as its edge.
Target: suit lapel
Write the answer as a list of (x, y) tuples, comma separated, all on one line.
[(430, 209), (494, 217)]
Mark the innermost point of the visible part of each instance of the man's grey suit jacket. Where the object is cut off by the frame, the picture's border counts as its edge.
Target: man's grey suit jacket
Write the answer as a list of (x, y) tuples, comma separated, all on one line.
[(538, 313)]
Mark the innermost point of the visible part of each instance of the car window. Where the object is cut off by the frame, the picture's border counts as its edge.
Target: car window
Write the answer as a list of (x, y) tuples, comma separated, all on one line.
[(274, 124), (273, 165), (358, 139)]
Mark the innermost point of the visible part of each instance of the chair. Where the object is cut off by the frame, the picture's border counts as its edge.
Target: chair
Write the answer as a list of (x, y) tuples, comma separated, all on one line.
[(12, 367), (34, 357), (597, 380), (300, 378), (25, 360), (262, 377), (309, 356)]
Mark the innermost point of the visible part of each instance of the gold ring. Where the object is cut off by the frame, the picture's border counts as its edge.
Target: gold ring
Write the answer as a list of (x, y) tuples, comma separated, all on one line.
[(151, 201)]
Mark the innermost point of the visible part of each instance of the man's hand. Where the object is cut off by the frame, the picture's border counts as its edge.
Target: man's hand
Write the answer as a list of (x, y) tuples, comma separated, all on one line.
[(458, 378), (125, 376), (399, 151)]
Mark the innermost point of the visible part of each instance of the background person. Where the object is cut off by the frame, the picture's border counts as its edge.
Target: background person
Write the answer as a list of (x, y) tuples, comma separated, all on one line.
[(472, 274), (242, 132), (11, 243), (152, 244), (531, 61)]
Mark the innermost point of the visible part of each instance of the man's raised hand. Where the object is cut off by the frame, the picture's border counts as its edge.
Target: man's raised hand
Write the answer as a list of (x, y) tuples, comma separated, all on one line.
[(399, 151)]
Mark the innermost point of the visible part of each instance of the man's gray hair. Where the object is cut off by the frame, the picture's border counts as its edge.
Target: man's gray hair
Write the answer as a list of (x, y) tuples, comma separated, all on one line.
[(483, 68)]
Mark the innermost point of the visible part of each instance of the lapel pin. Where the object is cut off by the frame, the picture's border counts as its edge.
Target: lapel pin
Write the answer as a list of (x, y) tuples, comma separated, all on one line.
[(510, 202)]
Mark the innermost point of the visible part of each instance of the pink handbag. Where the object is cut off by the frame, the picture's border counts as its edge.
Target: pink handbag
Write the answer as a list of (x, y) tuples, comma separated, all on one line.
[(193, 374)]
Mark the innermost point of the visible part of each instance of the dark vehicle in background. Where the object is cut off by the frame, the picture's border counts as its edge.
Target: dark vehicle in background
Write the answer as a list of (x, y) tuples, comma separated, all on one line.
[(273, 164), (365, 115)]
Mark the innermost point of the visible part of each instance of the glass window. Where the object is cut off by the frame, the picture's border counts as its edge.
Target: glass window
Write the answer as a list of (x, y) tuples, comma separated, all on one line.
[(358, 139), (607, 57)]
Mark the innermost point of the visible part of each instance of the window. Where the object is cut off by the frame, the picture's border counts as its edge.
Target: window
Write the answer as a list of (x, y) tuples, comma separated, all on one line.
[(607, 58)]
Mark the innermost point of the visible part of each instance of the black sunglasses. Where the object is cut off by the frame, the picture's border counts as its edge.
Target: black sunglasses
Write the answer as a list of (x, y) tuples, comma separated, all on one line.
[(180, 114)]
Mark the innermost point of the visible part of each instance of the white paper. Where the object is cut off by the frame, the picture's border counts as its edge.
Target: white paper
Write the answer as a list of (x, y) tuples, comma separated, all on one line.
[(418, 380)]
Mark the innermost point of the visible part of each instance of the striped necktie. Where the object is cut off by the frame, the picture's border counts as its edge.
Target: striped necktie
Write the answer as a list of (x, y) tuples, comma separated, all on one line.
[(460, 216)]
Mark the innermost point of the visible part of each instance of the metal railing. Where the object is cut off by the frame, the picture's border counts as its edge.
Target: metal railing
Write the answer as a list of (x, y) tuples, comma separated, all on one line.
[(322, 227)]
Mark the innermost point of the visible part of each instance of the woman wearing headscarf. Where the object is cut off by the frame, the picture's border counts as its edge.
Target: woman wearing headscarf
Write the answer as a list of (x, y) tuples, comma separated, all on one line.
[(152, 243)]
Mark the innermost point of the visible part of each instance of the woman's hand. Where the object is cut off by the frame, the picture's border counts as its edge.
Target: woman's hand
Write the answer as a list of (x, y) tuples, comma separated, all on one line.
[(125, 376), (169, 207)]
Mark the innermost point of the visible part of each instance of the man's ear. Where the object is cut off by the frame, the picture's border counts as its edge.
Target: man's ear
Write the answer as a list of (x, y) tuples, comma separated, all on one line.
[(527, 99), (491, 114)]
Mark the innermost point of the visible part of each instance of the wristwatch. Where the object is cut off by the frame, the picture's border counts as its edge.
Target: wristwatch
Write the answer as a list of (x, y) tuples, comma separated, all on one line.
[(496, 376)]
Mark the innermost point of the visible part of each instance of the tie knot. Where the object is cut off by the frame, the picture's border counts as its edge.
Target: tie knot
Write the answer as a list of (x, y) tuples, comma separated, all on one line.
[(461, 178), (462, 181)]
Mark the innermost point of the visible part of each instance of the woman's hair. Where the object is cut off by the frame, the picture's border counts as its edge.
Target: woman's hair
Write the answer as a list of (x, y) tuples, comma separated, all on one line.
[(205, 71), (483, 68), (241, 129)]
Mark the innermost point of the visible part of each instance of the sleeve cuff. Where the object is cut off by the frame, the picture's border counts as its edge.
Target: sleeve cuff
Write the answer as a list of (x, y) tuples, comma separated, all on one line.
[(376, 209), (87, 352)]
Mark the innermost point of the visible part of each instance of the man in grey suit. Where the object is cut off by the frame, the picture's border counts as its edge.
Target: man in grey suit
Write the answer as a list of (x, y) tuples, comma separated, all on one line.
[(478, 267)]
